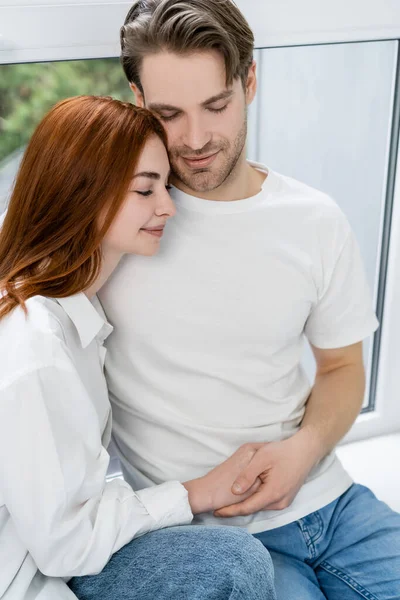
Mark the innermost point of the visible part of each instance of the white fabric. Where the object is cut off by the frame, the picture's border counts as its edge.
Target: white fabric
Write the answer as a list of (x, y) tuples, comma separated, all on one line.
[(57, 514), (209, 334)]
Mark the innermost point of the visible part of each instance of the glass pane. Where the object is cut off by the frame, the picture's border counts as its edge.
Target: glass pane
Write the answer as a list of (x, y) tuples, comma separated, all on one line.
[(323, 117), (28, 91)]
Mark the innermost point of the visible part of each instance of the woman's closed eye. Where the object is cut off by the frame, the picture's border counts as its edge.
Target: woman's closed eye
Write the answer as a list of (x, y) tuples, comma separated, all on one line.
[(150, 192)]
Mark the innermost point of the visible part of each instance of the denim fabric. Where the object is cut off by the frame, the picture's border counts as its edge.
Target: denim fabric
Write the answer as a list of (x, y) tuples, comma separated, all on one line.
[(184, 563), (348, 550)]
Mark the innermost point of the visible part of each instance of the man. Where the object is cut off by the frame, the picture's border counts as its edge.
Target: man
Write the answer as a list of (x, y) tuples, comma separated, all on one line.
[(208, 341)]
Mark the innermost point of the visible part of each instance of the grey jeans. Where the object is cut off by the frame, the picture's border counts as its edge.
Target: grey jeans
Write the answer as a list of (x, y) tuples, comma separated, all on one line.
[(184, 563)]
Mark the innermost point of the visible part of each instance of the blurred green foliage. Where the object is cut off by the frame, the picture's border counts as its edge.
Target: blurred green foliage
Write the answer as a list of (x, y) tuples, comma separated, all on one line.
[(28, 91)]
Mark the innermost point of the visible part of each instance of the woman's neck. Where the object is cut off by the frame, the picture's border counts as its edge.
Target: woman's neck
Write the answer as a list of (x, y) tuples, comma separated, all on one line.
[(110, 261)]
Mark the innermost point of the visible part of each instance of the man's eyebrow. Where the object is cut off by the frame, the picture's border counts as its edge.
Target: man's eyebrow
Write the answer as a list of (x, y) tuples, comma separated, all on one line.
[(222, 96), (158, 106)]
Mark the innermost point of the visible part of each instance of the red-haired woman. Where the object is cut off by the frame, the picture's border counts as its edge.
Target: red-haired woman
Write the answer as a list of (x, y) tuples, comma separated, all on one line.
[(92, 187)]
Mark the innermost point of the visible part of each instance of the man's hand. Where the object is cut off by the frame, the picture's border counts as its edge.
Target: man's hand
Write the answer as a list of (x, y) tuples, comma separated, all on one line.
[(331, 409), (214, 490), (282, 468)]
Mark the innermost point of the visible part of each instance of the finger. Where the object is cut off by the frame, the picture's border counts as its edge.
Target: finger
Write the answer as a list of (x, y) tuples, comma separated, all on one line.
[(280, 505), (254, 488), (246, 452), (248, 476), (256, 502)]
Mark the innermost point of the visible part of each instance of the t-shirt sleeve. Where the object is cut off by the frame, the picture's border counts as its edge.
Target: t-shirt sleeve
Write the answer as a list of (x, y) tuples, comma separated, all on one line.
[(343, 314)]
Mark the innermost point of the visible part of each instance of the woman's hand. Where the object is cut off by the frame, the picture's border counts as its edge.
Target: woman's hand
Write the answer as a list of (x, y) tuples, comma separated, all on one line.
[(213, 490)]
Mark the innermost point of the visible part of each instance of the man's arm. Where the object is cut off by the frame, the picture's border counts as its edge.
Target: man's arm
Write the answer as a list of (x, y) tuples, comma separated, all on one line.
[(331, 409), (336, 397)]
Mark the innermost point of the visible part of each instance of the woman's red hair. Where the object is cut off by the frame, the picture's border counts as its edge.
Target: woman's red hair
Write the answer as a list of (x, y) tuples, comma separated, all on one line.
[(75, 174)]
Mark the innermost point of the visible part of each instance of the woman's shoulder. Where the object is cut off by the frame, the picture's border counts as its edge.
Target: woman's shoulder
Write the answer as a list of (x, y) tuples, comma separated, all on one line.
[(43, 316), (33, 340)]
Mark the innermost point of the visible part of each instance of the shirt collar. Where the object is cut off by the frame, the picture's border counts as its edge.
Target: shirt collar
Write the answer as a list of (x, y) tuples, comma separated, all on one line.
[(88, 317)]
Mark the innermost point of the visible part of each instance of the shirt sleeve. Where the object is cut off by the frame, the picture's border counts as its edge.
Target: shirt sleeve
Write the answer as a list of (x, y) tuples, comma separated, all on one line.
[(343, 314), (54, 479)]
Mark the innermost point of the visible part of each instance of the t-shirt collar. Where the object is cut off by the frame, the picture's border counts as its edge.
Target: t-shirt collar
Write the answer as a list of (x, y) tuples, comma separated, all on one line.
[(215, 207)]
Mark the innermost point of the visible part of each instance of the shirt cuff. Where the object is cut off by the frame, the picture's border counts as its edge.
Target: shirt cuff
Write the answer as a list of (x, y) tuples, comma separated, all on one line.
[(167, 503)]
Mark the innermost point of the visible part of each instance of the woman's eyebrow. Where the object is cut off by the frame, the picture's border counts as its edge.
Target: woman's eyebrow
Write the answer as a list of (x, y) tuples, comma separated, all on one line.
[(151, 175), (148, 174)]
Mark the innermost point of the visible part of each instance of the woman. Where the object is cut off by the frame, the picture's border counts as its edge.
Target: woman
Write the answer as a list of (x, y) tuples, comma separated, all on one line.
[(92, 186)]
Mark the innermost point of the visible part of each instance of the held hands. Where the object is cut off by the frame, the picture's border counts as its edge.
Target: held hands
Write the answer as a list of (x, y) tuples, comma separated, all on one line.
[(281, 467), (213, 490)]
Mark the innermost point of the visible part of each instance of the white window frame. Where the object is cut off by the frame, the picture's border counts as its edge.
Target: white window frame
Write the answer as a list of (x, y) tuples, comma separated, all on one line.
[(51, 30)]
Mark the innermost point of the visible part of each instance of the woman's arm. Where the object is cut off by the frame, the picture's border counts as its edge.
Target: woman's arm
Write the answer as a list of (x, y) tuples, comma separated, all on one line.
[(53, 477), (53, 480)]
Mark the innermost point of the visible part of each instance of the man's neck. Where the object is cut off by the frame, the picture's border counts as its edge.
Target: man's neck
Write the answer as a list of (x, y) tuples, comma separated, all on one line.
[(244, 182)]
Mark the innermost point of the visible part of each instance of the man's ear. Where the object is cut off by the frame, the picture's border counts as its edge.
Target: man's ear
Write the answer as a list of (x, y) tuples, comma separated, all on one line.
[(139, 98), (251, 84)]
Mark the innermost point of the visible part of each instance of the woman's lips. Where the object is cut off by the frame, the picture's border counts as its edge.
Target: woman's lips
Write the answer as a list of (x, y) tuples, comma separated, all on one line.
[(156, 231)]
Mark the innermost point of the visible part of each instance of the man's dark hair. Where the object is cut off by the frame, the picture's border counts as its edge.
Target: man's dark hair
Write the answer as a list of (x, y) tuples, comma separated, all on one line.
[(184, 27)]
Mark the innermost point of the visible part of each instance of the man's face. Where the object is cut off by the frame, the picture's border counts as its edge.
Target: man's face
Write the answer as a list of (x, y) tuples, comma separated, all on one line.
[(205, 121)]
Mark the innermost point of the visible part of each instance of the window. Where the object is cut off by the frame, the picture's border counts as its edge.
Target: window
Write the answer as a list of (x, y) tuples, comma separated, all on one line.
[(320, 124), (28, 91)]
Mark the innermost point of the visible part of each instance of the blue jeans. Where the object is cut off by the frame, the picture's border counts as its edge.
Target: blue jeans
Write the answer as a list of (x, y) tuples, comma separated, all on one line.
[(184, 563), (348, 550)]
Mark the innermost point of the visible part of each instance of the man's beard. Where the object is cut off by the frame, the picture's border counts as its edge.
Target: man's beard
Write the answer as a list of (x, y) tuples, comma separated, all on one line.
[(206, 180)]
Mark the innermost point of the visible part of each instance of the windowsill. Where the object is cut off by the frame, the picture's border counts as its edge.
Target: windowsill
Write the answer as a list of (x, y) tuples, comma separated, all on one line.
[(375, 463)]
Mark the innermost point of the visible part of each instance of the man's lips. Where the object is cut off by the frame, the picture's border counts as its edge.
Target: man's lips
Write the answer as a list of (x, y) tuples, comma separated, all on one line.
[(203, 161)]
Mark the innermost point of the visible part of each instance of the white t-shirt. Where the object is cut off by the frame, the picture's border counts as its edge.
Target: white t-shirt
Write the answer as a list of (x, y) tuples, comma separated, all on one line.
[(209, 335), (58, 516)]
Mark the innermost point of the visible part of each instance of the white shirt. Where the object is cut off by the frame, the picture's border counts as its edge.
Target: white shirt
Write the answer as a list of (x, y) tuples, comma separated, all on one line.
[(209, 335), (58, 516)]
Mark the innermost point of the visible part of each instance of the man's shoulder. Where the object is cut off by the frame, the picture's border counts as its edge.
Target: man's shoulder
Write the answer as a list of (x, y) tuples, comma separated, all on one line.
[(298, 196)]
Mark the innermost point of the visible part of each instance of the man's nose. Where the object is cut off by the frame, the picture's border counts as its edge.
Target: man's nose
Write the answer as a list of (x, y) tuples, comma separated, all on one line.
[(196, 135)]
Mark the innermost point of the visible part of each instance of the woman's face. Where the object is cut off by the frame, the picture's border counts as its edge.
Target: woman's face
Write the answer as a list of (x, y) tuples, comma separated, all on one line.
[(139, 224)]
